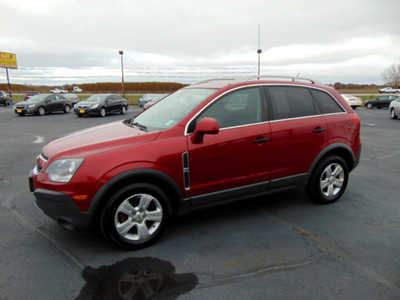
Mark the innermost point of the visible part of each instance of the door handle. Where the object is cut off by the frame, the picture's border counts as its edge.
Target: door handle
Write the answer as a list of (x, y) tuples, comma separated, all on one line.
[(260, 139), (318, 129)]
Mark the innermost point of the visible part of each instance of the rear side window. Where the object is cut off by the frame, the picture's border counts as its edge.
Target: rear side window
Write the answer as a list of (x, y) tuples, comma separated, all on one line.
[(326, 104), (290, 102)]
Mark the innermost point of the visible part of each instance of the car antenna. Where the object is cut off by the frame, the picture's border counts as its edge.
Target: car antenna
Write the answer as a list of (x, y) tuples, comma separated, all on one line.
[(259, 51)]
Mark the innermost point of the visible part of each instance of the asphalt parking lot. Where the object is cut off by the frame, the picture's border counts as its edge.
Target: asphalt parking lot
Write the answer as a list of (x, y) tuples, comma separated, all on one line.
[(276, 247)]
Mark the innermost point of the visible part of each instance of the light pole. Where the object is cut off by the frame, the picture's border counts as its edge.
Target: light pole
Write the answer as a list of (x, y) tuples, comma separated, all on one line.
[(122, 72), (259, 51)]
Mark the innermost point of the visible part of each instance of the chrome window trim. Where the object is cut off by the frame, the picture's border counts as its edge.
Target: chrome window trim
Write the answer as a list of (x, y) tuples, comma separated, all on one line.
[(266, 84)]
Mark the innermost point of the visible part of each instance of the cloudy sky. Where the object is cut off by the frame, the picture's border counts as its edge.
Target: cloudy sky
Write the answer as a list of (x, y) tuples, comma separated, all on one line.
[(65, 41)]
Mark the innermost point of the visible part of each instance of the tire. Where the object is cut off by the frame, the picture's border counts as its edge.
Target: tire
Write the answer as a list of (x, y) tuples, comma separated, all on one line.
[(41, 111), (103, 112), (123, 110), (325, 189), (67, 109), (21, 114), (369, 106), (393, 114), (129, 203)]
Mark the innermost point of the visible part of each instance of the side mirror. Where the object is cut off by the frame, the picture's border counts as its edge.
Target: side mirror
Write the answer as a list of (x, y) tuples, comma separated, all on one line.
[(204, 126)]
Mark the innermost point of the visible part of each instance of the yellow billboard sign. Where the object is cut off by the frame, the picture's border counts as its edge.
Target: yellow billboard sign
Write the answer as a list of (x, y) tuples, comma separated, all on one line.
[(8, 60)]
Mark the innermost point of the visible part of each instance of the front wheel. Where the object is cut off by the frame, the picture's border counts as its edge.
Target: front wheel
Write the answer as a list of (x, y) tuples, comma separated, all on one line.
[(393, 114), (135, 216), (103, 112), (369, 106), (123, 110), (329, 180), (67, 108), (41, 111)]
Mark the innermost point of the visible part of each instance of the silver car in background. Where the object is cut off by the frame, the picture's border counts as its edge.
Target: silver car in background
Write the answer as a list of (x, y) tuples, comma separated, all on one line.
[(353, 101), (394, 109)]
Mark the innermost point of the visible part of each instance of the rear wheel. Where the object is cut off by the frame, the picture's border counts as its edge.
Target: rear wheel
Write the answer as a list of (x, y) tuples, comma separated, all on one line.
[(123, 110), (135, 216), (369, 106), (329, 180), (103, 112), (393, 114)]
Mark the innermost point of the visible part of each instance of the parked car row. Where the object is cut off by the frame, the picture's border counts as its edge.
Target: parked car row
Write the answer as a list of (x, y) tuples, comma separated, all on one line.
[(152, 98), (101, 105), (75, 89)]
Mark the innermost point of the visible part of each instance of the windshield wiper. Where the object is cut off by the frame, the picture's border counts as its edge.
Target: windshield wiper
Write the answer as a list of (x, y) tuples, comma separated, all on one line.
[(140, 126)]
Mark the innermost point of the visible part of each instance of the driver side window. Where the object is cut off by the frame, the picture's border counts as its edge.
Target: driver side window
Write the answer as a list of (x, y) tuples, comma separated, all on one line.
[(241, 107)]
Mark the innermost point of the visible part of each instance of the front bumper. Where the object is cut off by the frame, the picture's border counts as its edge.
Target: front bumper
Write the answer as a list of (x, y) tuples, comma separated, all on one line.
[(87, 111), (25, 110), (60, 207)]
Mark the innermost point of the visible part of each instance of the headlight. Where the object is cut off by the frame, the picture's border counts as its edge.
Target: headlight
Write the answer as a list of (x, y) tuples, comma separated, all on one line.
[(94, 106), (62, 170), (31, 106)]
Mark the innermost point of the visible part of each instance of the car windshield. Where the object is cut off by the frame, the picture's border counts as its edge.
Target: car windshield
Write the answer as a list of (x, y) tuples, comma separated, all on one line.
[(37, 98), (96, 98), (173, 108)]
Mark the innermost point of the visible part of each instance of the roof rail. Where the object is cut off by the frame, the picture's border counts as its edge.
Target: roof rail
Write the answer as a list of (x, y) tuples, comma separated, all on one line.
[(213, 79), (292, 78)]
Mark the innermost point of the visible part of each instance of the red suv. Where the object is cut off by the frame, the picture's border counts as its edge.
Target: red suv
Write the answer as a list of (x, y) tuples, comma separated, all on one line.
[(210, 143)]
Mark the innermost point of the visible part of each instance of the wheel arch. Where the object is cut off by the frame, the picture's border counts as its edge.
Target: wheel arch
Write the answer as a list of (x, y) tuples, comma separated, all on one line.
[(339, 149), (158, 178)]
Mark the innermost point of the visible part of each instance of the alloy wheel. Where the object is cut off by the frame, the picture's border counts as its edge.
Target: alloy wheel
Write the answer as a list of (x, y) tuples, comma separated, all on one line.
[(332, 180), (138, 217)]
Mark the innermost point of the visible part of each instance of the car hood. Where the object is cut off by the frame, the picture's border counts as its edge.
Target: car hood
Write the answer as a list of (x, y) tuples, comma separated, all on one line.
[(97, 139), (88, 103), (27, 102)]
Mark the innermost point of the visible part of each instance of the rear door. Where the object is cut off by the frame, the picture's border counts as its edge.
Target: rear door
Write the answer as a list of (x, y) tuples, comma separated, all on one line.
[(297, 130), (239, 154)]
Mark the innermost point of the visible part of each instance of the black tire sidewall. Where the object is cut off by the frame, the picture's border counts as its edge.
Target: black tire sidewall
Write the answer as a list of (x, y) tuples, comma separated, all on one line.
[(107, 215), (314, 186), (105, 113)]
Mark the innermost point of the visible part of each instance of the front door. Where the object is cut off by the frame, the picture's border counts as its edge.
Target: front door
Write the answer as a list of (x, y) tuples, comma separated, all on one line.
[(238, 154)]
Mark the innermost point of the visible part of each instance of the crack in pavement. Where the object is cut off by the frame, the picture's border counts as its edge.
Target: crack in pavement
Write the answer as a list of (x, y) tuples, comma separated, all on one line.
[(332, 248), (23, 221)]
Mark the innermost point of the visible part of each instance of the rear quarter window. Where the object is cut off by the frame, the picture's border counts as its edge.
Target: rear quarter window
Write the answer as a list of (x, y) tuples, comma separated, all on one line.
[(326, 104)]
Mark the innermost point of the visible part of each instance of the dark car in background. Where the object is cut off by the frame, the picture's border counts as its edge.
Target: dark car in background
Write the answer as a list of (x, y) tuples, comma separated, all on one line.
[(381, 102), (150, 97), (72, 98), (101, 105), (29, 94), (154, 101), (5, 99), (42, 104)]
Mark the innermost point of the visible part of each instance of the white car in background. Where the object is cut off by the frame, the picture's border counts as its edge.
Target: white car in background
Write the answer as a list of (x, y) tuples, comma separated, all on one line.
[(389, 90), (394, 109), (76, 89), (58, 91), (353, 101)]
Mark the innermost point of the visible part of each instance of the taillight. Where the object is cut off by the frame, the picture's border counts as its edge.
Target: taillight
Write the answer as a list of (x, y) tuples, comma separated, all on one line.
[(355, 119)]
